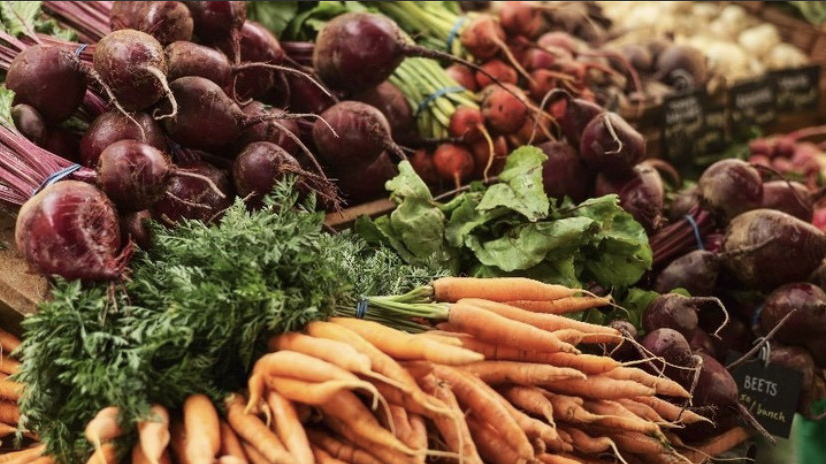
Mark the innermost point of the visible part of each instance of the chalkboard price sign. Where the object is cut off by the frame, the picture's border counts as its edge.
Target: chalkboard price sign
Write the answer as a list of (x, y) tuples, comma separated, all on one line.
[(797, 89), (752, 104), (682, 124), (770, 392), (712, 138)]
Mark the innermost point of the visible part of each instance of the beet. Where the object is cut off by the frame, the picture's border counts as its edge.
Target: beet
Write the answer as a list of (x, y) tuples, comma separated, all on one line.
[(765, 248), (165, 21), (360, 184), (29, 122), (643, 195), (734, 336), (497, 68), (392, 103), (190, 59), (306, 97), (133, 175), (702, 343), (696, 272), (796, 359), (203, 104), (422, 163), (481, 155), (134, 226), (191, 198), (70, 229), (467, 124), (453, 162), (257, 45), (578, 113), (503, 111), (257, 169), (49, 79), (790, 197), (686, 200), (111, 127), (363, 134), (463, 76), (63, 143), (563, 173), (806, 324), (671, 311), (266, 131), (133, 66), (730, 187), (681, 66), (716, 387), (522, 18), (625, 351), (483, 37), (817, 348), (673, 347), (217, 20), (611, 145)]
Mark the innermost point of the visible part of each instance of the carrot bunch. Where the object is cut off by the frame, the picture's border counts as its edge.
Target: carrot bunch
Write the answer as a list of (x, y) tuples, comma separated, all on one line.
[(493, 383)]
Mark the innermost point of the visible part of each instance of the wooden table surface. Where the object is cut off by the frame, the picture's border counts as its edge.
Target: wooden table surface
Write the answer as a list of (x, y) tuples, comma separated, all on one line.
[(19, 290)]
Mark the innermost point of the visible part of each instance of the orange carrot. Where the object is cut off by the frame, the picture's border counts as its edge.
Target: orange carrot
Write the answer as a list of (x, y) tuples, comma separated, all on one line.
[(401, 345), (8, 342), (573, 336), (230, 444), (229, 460), (383, 364), (139, 457), (260, 437), (571, 304), (9, 365), (104, 426), (6, 430), (569, 409), (452, 289), (641, 410), (587, 444), (530, 399), (492, 351), (417, 438), (177, 440), (23, 456), (107, 453), (42, 460), (719, 444), (671, 412), (255, 456), (493, 447), (613, 415), (309, 393), (382, 453), (587, 363), (501, 372), (348, 409), (662, 385), (153, 435), (454, 429), (323, 457), (633, 442), (600, 388), (289, 428), (557, 459), (498, 329), (340, 450), (441, 338), (549, 322), (203, 432), (486, 406), (332, 351)]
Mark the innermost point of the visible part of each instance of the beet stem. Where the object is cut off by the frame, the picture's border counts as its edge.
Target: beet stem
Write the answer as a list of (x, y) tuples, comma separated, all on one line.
[(610, 127), (512, 59), (746, 414), (185, 173), (162, 79), (763, 341), (301, 144), (286, 69), (491, 149), (191, 204)]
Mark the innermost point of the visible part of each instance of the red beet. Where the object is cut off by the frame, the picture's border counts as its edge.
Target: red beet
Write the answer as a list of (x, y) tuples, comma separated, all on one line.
[(790, 197), (217, 20), (259, 166), (135, 227), (730, 187), (504, 112), (422, 163), (564, 174), (266, 131), (643, 195), (481, 155), (111, 127), (192, 198), (133, 175), (257, 45), (190, 59), (29, 122), (808, 323), (360, 184), (463, 76), (392, 103), (504, 73), (453, 162), (363, 134), (611, 145), (166, 21)]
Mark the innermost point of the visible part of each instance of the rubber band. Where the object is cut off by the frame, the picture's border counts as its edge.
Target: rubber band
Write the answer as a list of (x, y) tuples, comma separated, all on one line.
[(755, 318), (80, 49), (57, 176), (697, 235), (361, 308), (454, 31), (433, 96)]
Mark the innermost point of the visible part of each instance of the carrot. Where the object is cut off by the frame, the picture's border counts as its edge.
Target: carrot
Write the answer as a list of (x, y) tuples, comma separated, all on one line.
[(8, 341), (587, 363), (259, 436), (600, 388), (548, 322), (573, 336), (613, 415), (203, 432), (229, 460), (323, 457), (585, 443), (9, 412), (569, 409), (104, 426), (530, 399), (498, 329), (633, 442), (492, 351), (397, 397), (289, 428), (23, 456), (662, 385), (393, 373), (452, 289), (486, 406), (671, 412), (492, 446), (43, 460), (401, 345), (9, 365), (380, 452), (557, 459), (107, 453), (571, 304), (6, 430), (441, 338), (153, 435), (254, 455), (139, 457), (340, 450), (334, 352), (501, 372), (454, 429), (230, 444), (418, 435), (177, 440), (307, 392), (719, 444), (347, 408), (398, 415)]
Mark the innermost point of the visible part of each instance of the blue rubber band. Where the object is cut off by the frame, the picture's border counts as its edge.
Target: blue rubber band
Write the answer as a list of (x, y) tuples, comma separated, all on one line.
[(59, 175), (696, 228), (755, 318), (361, 309), (454, 31), (80, 49), (433, 96)]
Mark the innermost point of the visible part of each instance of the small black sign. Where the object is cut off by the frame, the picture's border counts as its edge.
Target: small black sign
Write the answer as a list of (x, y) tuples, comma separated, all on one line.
[(753, 103), (712, 139), (797, 89), (769, 392), (682, 124)]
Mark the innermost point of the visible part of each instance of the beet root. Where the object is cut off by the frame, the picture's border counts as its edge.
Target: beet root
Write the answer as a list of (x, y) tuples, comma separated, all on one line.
[(165, 21), (671, 311), (361, 134), (29, 122), (190, 59), (642, 195), (563, 173), (392, 103), (696, 272), (70, 229), (111, 127), (133, 175), (730, 187), (190, 197), (808, 323), (610, 145), (135, 227), (790, 197), (202, 103)]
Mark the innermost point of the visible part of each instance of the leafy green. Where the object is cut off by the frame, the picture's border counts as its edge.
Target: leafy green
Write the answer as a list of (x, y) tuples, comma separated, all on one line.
[(6, 102), (194, 316), (18, 17), (511, 229), (275, 16), (314, 15)]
